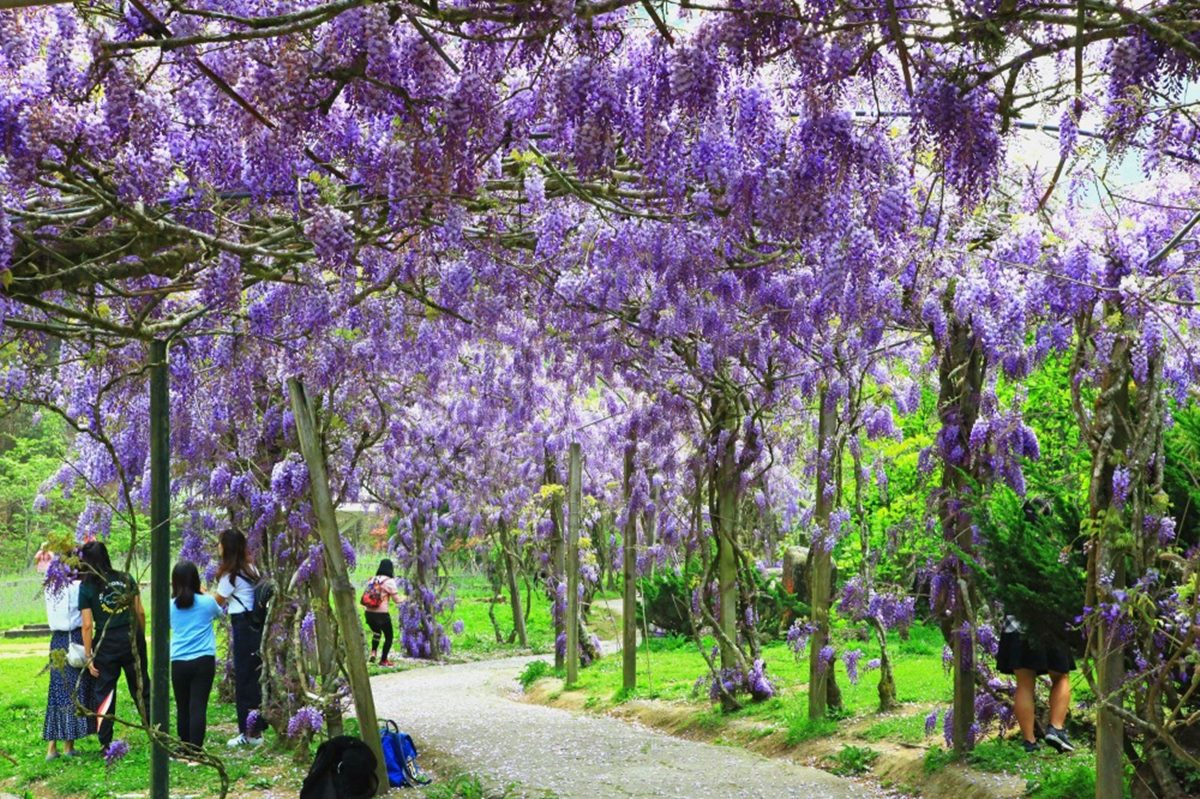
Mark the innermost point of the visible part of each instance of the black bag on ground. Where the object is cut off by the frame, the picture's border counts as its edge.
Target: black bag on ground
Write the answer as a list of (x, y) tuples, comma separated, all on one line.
[(343, 768)]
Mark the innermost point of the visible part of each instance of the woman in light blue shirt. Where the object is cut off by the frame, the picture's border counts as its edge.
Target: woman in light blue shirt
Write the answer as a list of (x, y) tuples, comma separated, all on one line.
[(193, 652)]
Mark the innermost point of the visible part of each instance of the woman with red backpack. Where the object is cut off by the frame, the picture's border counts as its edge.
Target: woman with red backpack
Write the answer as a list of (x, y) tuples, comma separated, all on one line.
[(379, 591)]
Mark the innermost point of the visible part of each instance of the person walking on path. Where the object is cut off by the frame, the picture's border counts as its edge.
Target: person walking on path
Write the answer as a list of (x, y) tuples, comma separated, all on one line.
[(1027, 659), (68, 685), (236, 578), (379, 591), (114, 636), (193, 652)]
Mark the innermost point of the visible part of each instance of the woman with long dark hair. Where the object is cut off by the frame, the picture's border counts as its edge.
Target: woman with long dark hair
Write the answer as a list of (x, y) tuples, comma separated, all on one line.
[(380, 589), (193, 652), (236, 578), (114, 635)]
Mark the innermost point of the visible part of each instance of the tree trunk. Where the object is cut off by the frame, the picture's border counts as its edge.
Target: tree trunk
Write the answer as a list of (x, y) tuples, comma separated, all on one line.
[(1113, 404), (629, 593), (514, 590), (339, 578), (887, 681), (820, 673), (726, 420), (960, 383), (326, 655)]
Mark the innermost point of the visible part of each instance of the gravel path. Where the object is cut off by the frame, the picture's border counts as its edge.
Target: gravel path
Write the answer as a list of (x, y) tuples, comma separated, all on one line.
[(471, 715)]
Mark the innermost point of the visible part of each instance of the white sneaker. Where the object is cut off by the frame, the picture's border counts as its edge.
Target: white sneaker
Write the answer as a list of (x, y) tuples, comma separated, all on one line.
[(245, 740)]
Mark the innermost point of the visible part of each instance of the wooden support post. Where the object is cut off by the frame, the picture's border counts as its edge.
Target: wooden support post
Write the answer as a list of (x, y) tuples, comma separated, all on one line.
[(629, 583), (339, 577), (574, 512), (160, 562), (558, 561)]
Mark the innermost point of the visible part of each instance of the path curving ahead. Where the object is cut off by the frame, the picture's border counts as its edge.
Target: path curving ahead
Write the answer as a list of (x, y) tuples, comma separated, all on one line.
[(471, 715)]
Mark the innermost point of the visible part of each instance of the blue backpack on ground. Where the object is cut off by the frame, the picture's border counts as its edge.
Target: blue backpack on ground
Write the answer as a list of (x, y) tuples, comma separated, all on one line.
[(400, 753)]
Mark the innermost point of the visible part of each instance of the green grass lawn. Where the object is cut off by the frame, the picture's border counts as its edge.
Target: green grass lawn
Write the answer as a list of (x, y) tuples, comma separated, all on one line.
[(474, 598), (22, 710), (669, 668)]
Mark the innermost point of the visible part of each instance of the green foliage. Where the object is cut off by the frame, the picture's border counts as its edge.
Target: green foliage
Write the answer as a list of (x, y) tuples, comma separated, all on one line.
[(1181, 474), (854, 760), (1035, 566), (666, 600), (534, 670), (937, 759), (466, 786), (1048, 774), (30, 454), (1076, 781)]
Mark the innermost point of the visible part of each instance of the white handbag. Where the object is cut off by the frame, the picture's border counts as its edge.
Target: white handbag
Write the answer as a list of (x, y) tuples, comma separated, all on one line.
[(76, 658)]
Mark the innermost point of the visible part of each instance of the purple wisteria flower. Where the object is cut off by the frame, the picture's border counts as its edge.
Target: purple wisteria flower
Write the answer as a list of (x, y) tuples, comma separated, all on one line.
[(873, 664), (348, 553), (308, 632), (798, 635), (850, 660), (458, 627), (825, 659), (931, 722), (59, 575), (307, 719), (1120, 487), (115, 751), (254, 721), (988, 641), (758, 683)]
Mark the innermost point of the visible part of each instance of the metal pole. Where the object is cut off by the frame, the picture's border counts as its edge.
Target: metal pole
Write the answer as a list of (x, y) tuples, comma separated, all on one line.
[(574, 503), (160, 559)]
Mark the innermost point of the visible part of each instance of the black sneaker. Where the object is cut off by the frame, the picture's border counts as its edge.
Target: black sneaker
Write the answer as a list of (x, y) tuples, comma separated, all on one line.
[(1029, 746), (1058, 739)]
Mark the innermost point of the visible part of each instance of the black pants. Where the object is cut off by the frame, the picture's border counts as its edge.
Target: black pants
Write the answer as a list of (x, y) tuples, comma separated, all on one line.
[(380, 624), (192, 680), (247, 670), (115, 655)]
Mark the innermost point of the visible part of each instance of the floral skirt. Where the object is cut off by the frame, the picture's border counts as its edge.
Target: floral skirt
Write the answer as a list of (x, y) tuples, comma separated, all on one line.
[(63, 723)]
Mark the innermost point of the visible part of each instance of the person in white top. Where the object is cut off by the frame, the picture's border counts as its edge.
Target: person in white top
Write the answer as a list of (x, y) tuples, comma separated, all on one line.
[(67, 684), (236, 578), (379, 590)]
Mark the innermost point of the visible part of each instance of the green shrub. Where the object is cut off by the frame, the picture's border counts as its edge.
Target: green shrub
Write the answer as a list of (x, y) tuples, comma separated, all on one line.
[(854, 760), (1033, 552), (937, 759), (534, 670), (465, 786), (1078, 781)]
